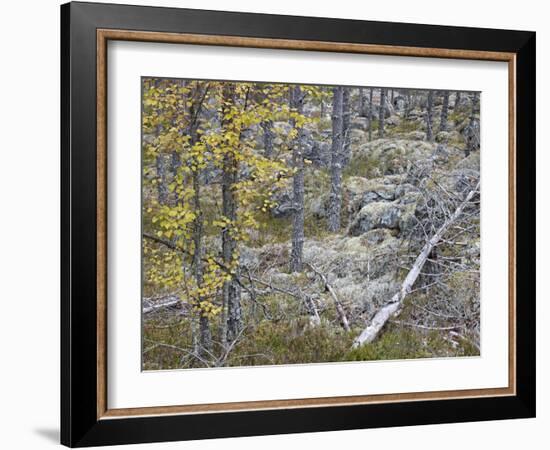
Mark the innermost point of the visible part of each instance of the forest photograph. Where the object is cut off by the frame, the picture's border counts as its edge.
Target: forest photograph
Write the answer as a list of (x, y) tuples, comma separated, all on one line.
[(297, 224)]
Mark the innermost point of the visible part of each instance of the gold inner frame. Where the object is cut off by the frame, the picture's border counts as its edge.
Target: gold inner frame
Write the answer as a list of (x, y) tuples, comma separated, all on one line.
[(104, 35)]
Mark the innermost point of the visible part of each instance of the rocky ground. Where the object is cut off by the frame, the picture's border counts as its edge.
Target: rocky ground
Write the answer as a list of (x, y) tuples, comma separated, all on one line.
[(397, 191)]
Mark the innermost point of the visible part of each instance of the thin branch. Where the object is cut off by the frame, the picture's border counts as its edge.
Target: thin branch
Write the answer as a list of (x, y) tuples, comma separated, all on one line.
[(424, 327), (330, 289), (395, 304)]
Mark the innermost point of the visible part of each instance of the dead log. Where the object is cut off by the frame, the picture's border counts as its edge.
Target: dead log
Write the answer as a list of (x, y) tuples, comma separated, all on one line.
[(394, 306), (168, 302)]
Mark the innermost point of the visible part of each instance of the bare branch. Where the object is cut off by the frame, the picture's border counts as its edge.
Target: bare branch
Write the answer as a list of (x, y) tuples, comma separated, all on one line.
[(330, 289), (394, 306)]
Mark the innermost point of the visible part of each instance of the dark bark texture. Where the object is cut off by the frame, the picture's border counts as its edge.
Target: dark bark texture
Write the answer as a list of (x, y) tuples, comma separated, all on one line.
[(268, 137), (346, 122), (472, 130), (231, 288), (382, 112), (444, 112), (335, 199), (296, 254), (161, 179), (205, 334), (371, 114), (457, 100), (429, 116)]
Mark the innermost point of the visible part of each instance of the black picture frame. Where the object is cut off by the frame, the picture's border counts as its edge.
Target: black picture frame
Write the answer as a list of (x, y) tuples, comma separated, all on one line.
[(80, 425)]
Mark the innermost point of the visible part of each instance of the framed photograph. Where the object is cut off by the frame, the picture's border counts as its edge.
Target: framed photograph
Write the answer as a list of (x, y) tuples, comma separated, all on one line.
[(277, 224)]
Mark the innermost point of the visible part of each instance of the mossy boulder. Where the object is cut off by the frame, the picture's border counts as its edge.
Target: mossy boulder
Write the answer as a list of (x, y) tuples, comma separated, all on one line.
[(415, 136), (446, 137), (391, 207), (375, 215), (385, 157), (318, 206), (360, 123)]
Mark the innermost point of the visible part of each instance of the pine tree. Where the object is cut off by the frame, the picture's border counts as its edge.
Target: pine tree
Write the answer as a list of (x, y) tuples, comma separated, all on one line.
[(444, 112), (297, 97), (429, 116), (382, 113), (337, 150)]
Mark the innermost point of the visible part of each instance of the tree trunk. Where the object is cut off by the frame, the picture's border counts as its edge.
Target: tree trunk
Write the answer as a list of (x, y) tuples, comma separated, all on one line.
[(231, 288), (335, 199), (382, 113), (409, 105), (267, 127), (370, 114), (444, 112), (429, 116), (296, 254), (472, 138), (394, 306), (169, 302), (161, 179), (346, 123), (195, 108), (204, 325), (362, 102), (457, 100)]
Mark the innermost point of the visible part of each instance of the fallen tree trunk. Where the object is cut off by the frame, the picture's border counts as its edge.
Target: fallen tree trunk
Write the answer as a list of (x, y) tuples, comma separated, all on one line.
[(394, 306), (167, 303)]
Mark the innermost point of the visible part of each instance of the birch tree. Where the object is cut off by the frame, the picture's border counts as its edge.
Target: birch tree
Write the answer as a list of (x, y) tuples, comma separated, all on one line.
[(205, 335), (167, 109), (194, 273), (268, 137), (247, 180), (162, 187), (231, 289)]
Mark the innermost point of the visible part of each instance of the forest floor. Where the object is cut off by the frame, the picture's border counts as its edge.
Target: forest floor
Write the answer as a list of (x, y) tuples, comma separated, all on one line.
[(362, 266)]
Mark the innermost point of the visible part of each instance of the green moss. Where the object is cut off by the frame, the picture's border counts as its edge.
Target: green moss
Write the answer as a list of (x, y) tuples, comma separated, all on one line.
[(398, 344), (282, 340), (164, 343), (406, 126), (325, 123), (457, 116), (365, 165), (293, 342), (410, 343), (273, 230)]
